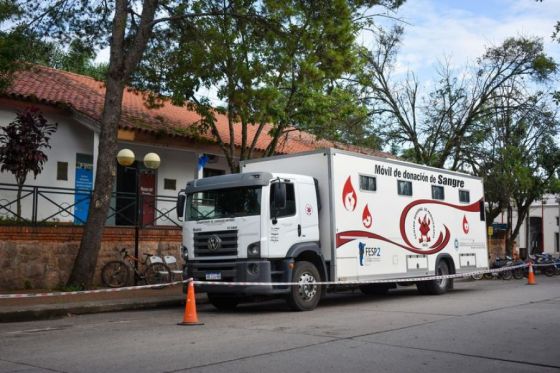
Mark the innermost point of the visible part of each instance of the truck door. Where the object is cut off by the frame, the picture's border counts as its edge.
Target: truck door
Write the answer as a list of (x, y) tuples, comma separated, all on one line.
[(284, 224)]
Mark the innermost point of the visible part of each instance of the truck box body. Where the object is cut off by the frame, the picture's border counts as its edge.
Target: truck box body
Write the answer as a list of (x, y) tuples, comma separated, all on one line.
[(383, 218)]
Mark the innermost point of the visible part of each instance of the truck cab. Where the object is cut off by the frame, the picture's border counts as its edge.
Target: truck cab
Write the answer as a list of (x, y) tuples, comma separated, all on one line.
[(253, 227)]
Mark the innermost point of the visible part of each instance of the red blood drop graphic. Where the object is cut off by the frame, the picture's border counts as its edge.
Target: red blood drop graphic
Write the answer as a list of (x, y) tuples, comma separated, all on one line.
[(349, 198), (465, 224), (366, 217)]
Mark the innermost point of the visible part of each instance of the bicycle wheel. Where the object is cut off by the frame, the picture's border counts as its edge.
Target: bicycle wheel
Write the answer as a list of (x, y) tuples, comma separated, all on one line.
[(518, 273), (507, 275), (157, 273), (478, 276), (549, 271), (115, 274)]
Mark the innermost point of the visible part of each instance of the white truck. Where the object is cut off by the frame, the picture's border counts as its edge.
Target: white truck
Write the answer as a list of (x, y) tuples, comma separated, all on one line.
[(329, 215)]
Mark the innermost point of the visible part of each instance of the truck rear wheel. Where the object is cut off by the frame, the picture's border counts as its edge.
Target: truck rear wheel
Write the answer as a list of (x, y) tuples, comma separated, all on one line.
[(306, 296), (223, 303), (436, 287)]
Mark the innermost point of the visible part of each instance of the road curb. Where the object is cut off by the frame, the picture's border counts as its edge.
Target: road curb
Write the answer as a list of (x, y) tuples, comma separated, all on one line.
[(54, 311)]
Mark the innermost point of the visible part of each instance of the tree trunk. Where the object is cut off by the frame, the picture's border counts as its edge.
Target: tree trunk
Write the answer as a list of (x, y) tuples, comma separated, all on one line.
[(86, 260), (522, 212), (18, 202), (122, 62), (20, 181)]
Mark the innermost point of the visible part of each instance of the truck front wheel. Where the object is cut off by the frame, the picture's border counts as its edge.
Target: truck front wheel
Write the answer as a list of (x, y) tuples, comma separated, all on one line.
[(306, 296)]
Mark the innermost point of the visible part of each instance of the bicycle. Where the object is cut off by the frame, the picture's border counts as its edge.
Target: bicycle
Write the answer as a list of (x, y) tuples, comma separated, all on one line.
[(116, 273)]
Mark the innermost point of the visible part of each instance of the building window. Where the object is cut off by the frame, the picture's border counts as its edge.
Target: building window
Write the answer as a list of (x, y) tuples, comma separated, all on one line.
[(404, 188), (557, 221), (368, 183), (170, 184), (438, 192), (556, 243), (62, 171), (464, 196)]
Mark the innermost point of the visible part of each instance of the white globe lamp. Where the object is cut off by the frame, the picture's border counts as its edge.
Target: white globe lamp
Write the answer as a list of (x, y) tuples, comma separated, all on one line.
[(152, 161), (125, 157)]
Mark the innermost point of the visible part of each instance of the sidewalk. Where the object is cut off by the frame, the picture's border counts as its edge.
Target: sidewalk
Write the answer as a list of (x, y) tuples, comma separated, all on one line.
[(29, 309)]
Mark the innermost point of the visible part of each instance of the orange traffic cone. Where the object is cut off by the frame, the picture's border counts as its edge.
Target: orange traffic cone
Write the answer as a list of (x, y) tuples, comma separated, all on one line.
[(531, 276), (190, 317)]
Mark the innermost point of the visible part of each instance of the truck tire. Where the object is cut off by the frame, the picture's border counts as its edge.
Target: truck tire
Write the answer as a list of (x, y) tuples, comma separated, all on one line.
[(436, 287), (305, 297), (223, 303)]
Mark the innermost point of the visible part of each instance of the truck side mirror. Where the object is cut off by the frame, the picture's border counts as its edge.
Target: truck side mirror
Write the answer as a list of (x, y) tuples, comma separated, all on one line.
[(181, 199), (278, 196)]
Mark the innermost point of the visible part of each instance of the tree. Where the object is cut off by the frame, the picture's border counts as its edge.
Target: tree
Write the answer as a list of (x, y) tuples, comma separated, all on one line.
[(126, 26), (78, 59), (21, 147), (556, 36), (275, 76), (522, 158), (441, 128)]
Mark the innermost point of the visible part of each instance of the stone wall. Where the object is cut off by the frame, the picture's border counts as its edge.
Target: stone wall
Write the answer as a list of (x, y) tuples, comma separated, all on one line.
[(42, 257)]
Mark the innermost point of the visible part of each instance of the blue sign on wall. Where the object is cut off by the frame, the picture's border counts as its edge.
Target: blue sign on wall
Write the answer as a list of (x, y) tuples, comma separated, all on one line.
[(83, 186)]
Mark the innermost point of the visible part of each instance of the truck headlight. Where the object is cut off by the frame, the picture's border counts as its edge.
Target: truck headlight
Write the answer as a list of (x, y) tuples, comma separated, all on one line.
[(184, 253), (254, 250)]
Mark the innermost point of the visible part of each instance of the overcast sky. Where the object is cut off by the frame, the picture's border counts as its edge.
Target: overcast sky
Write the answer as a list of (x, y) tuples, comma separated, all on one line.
[(460, 31)]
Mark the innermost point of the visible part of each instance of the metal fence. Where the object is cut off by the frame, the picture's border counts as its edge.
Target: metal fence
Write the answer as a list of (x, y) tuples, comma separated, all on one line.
[(44, 205)]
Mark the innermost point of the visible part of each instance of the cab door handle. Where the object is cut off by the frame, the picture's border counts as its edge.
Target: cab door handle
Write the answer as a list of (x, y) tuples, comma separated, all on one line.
[(299, 230)]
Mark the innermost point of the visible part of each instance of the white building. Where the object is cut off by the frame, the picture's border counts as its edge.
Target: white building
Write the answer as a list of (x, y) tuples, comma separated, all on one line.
[(75, 102), (540, 230)]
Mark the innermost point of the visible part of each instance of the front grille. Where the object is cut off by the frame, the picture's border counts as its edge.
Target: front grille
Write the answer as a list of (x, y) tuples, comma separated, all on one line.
[(228, 243), (226, 269)]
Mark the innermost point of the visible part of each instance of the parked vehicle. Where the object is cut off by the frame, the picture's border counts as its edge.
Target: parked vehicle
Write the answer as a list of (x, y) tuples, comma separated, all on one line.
[(330, 215), (116, 273), (545, 264), (556, 266), (519, 273), (505, 274)]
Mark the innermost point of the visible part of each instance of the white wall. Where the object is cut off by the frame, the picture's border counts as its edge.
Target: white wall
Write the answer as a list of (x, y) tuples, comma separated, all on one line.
[(69, 139), (178, 164), (550, 211), (72, 137)]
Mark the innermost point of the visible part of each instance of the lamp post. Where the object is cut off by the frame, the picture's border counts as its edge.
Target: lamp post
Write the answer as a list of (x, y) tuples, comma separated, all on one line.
[(126, 158)]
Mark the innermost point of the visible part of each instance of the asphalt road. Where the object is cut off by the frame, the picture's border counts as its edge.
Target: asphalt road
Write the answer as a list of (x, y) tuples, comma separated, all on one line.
[(479, 327)]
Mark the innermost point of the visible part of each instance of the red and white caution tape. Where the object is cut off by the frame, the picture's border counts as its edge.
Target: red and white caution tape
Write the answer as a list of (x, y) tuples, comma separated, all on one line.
[(226, 283), (96, 291)]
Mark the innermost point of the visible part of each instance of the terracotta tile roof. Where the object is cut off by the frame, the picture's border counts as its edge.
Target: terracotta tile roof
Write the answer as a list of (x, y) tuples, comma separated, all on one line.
[(85, 95)]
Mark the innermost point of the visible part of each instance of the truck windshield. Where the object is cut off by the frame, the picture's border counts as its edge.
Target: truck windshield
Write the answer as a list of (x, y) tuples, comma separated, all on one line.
[(224, 203)]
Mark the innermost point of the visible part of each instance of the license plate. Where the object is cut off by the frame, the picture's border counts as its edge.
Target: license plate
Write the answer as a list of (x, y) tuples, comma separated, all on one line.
[(213, 276)]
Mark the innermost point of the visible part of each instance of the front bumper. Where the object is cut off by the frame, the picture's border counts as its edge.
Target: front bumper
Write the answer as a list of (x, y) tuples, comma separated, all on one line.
[(261, 270)]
